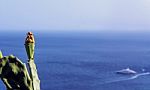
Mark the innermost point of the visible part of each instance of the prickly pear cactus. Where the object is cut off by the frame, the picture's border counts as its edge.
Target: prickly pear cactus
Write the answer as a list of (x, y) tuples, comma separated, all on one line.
[(14, 74), (29, 45)]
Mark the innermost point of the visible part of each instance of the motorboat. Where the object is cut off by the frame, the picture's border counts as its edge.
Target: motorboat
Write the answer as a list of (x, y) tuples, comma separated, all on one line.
[(126, 71)]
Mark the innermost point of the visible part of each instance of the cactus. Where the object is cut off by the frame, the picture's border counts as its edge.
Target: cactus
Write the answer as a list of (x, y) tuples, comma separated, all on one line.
[(1, 55), (29, 45), (14, 73)]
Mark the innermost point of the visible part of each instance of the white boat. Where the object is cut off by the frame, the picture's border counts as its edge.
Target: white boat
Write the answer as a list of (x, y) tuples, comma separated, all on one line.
[(126, 71)]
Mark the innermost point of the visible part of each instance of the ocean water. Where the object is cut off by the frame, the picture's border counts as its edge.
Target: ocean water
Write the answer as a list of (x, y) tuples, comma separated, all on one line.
[(85, 61)]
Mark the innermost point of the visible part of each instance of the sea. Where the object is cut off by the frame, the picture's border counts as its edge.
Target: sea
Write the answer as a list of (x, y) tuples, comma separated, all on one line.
[(85, 60)]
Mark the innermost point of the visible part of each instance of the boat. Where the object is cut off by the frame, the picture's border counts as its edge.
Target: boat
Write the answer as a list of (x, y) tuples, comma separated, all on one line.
[(126, 71)]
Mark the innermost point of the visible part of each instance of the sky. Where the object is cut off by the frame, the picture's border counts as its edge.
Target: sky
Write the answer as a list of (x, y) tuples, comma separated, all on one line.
[(72, 15)]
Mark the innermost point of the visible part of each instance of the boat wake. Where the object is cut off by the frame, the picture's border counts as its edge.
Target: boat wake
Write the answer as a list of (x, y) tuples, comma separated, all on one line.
[(119, 79), (141, 74)]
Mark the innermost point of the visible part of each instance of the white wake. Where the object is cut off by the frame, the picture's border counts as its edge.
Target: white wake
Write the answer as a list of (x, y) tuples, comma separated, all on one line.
[(118, 79)]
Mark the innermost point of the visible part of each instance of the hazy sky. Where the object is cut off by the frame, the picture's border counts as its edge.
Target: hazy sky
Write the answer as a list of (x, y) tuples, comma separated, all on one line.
[(75, 15)]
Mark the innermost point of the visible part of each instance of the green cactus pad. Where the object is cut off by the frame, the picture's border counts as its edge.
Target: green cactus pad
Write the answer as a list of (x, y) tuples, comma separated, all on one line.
[(1, 55)]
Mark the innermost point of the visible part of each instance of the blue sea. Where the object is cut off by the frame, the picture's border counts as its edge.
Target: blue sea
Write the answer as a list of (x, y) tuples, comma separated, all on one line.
[(85, 60)]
